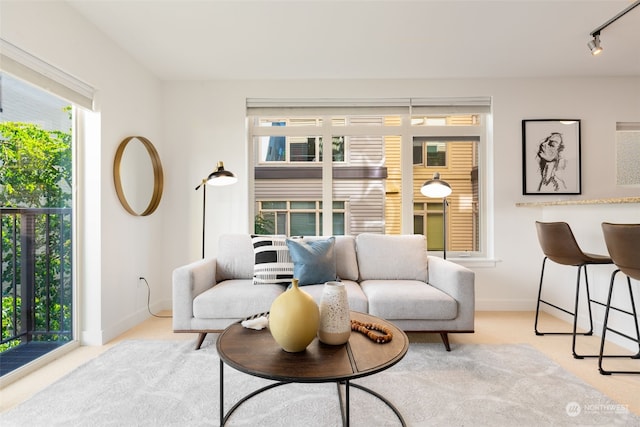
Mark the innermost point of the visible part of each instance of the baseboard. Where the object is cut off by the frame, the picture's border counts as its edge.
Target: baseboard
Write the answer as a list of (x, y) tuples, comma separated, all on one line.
[(131, 321)]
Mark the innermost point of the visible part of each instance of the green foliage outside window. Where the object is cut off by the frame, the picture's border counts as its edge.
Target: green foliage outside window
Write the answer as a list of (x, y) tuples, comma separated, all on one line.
[(35, 172)]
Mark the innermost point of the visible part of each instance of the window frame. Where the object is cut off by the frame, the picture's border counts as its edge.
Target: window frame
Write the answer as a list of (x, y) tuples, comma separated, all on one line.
[(481, 130)]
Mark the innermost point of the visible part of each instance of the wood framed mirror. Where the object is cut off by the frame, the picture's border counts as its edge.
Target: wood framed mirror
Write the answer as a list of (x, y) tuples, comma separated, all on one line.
[(138, 176)]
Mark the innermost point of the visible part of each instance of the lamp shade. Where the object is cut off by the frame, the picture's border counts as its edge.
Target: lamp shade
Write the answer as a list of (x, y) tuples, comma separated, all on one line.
[(436, 187), (221, 177)]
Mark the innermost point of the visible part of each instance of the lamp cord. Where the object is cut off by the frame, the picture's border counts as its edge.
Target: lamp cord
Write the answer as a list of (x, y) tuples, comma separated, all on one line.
[(149, 301)]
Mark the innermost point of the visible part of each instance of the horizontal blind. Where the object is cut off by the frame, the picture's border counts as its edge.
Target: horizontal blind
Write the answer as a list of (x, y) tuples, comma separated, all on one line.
[(628, 126), (31, 69), (325, 106), (465, 105)]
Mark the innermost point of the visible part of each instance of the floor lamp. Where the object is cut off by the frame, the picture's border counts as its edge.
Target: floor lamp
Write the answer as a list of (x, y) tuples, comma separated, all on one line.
[(437, 188), (218, 178)]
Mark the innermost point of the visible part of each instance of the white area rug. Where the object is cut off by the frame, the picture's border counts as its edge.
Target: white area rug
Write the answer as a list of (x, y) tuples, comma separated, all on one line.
[(162, 383)]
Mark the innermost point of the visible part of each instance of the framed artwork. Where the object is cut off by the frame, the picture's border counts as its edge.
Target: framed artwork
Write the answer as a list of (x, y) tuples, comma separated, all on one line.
[(551, 157)]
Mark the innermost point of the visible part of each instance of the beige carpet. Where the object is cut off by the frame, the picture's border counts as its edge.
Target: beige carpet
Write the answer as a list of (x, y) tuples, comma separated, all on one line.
[(164, 383)]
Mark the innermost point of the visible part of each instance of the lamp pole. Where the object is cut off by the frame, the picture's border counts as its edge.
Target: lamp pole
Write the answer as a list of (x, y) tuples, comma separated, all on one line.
[(444, 227), (204, 213)]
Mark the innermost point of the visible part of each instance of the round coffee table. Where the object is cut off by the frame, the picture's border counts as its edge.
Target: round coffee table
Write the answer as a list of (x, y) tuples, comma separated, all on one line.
[(256, 353)]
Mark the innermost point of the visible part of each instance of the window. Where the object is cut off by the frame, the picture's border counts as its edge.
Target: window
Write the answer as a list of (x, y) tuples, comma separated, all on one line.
[(35, 217), (37, 203), (627, 153), (430, 153), (461, 172), (297, 218), (371, 143)]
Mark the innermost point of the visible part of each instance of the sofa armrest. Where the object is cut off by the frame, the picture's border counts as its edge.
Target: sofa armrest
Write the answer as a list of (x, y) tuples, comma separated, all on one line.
[(188, 282), (456, 281)]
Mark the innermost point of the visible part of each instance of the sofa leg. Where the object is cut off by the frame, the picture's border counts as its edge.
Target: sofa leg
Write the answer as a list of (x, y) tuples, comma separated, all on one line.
[(201, 337), (445, 340)]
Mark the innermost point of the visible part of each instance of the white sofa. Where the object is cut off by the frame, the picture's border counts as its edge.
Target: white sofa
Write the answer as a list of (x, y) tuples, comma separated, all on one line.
[(389, 276)]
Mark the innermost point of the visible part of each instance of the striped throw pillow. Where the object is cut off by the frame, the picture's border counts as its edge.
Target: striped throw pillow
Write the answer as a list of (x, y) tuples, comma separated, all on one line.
[(273, 264)]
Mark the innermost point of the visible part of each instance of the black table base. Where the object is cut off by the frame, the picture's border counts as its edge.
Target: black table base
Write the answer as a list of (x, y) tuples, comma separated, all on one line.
[(344, 402)]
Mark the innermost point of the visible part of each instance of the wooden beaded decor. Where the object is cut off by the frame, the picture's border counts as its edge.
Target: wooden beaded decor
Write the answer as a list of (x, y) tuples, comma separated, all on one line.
[(369, 328)]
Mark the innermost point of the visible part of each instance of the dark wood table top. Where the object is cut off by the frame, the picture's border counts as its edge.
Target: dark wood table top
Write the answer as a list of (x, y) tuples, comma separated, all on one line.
[(257, 353)]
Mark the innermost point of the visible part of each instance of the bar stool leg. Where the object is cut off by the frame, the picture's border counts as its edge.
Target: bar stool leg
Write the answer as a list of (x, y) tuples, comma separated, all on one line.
[(605, 328), (575, 318), (535, 325)]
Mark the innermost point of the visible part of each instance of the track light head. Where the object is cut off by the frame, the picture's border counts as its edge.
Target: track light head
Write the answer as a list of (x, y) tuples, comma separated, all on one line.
[(594, 45)]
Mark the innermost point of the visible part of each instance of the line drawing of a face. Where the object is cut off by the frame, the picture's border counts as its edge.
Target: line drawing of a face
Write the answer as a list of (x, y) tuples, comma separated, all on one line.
[(551, 162)]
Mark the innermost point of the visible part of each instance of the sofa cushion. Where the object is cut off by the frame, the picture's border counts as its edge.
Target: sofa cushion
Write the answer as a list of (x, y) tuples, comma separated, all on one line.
[(346, 261), (392, 257), (313, 261), (272, 260), (235, 259), (235, 299), (408, 299)]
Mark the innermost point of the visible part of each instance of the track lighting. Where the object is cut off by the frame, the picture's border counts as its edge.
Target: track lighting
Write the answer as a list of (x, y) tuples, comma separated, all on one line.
[(594, 45)]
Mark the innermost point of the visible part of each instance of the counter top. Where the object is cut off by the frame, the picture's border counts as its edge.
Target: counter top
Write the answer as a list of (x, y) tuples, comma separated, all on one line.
[(613, 201)]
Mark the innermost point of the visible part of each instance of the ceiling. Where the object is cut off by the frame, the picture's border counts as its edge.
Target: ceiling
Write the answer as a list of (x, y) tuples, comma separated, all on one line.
[(357, 39)]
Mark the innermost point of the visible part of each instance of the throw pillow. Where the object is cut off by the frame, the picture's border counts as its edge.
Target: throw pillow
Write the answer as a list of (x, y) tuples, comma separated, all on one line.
[(313, 261), (272, 260)]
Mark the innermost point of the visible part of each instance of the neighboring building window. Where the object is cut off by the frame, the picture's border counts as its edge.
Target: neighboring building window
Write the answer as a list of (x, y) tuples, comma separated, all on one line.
[(430, 153), (297, 218), (297, 148)]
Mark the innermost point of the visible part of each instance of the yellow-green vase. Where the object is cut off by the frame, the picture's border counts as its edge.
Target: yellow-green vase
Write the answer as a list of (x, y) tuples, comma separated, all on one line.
[(293, 319)]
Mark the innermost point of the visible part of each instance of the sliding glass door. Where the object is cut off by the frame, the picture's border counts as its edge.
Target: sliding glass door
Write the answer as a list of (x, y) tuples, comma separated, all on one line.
[(36, 212)]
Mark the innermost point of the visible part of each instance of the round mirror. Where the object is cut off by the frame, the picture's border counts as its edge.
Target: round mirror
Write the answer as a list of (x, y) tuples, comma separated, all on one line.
[(137, 175)]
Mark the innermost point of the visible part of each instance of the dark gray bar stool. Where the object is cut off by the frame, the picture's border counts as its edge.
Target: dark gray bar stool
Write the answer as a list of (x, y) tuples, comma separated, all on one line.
[(559, 245), (623, 244)]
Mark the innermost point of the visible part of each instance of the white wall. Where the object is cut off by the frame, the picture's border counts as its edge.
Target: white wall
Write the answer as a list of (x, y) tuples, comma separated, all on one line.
[(207, 124), (116, 248), (195, 124)]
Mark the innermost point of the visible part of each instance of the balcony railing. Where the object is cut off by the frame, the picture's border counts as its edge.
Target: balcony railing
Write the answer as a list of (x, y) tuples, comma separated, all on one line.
[(37, 281)]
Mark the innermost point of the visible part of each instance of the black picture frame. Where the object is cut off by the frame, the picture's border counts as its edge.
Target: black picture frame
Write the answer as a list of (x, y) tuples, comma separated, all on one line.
[(551, 157)]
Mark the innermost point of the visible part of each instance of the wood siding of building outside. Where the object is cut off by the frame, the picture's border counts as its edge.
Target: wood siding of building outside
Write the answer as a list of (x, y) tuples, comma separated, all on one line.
[(365, 201), (288, 189), (393, 199), (366, 151)]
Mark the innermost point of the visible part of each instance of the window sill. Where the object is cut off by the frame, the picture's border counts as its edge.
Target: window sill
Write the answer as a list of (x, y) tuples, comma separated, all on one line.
[(475, 262)]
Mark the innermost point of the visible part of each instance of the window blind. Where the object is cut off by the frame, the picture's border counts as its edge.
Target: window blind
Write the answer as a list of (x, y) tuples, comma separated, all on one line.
[(286, 106), (628, 126), (31, 69)]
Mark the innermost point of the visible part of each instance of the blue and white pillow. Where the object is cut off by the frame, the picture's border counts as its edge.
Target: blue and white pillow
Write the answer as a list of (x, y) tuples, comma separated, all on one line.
[(273, 263), (313, 261)]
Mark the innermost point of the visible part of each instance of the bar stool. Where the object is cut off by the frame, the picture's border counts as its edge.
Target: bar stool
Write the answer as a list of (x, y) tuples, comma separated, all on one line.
[(559, 245), (623, 244)]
